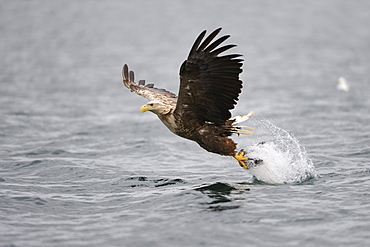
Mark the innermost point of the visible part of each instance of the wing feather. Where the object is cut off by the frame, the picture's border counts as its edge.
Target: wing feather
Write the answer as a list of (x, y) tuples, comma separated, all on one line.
[(209, 39), (197, 42), (146, 90), (209, 83), (216, 43)]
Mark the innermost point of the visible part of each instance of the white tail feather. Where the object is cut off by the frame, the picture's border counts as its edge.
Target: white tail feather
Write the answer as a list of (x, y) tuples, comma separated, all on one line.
[(241, 130), (241, 118)]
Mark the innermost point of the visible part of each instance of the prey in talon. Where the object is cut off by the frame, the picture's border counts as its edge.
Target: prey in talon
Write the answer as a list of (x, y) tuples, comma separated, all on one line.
[(209, 88)]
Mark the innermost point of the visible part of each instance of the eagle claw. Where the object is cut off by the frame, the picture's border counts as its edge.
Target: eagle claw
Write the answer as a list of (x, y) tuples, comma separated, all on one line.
[(241, 159)]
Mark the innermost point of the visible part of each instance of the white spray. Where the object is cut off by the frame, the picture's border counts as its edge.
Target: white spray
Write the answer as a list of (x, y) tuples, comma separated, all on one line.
[(284, 159)]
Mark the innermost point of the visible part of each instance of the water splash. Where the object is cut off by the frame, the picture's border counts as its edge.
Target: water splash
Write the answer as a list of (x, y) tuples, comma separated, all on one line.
[(284, 159)]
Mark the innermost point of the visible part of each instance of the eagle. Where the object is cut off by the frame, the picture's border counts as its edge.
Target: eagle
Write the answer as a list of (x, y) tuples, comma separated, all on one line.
[(209, 89)]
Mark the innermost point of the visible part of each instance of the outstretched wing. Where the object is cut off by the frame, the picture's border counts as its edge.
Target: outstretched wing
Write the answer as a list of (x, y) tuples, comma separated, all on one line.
[(209, 83), (146, 90)]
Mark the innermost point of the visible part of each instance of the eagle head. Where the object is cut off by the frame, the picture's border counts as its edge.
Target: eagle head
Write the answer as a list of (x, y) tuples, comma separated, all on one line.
[(155, 107)]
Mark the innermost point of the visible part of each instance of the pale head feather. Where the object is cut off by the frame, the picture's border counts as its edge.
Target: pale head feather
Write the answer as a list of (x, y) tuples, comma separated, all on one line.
[(156, 107)]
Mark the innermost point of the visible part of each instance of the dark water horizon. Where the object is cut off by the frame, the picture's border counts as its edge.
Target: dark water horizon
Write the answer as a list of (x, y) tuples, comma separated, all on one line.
[(81, 166)]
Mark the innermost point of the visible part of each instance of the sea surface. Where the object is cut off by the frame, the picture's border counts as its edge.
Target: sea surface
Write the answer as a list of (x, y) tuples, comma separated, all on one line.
[(81, 166)]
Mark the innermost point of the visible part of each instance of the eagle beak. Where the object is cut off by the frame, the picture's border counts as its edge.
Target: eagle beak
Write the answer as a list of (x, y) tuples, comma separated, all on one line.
[(145, 108)]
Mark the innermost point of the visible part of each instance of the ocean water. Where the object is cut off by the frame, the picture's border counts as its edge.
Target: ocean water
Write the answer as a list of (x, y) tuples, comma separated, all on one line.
[(81, 166)]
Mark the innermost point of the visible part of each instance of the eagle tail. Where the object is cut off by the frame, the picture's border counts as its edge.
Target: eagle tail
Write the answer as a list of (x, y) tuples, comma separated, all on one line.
[(241, 130), (241, 118)]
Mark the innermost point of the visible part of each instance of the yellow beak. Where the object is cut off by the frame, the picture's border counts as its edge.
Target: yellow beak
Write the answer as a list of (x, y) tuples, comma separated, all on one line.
[(145, 108)]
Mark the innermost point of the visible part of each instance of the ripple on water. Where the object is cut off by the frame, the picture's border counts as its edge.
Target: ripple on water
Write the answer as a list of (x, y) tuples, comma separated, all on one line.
[(142, 181), (222, 195)]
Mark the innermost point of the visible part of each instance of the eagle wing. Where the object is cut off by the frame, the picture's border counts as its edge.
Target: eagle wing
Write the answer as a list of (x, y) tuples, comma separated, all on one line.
[(209, 83), (146, 90)]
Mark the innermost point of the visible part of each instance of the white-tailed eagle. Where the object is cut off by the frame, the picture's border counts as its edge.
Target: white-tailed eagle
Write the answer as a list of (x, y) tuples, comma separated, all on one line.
[(209, 89)]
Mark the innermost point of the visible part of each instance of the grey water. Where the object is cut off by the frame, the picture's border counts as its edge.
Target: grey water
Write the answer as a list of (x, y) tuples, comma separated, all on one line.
[(81, 166)]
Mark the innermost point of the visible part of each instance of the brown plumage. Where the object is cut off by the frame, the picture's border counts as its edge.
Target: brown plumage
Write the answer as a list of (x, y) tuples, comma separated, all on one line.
[(209, 89)]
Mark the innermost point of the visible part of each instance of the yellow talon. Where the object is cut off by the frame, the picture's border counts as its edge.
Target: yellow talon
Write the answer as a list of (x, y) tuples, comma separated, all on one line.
[(241, 159)]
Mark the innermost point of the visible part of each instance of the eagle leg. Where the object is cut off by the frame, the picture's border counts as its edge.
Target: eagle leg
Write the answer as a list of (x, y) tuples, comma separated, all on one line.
[(241, 159)]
